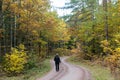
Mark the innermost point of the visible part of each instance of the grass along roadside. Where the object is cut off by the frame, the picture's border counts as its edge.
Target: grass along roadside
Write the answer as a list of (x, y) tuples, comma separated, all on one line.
[(32, 74), (98, 72)]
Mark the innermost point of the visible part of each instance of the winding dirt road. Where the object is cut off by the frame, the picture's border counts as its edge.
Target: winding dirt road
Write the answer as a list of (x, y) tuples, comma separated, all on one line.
[(67, 72)]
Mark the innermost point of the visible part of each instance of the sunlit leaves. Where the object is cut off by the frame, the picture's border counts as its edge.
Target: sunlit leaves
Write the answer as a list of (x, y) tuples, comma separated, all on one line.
[(32, 23), (15, 61)]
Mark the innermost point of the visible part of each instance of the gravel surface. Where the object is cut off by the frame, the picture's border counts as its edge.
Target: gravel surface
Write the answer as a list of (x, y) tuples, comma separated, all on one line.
[(67, 72)]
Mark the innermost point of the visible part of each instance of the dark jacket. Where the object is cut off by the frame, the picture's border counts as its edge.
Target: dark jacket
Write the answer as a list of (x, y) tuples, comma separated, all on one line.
[(57, 59)]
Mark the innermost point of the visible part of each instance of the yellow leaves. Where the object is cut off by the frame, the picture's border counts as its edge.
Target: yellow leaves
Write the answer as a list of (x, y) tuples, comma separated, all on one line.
[(75, 51), (106, 47), (14, 62), (107, 50), (6, 1), (35, 33), (113, 59), (119, 5), (117, 36), (56, 28), (104, 43), (113, 14), (117, 39), (35, 20), (61, 32), (21, 47), (13, 7), (117, 50)]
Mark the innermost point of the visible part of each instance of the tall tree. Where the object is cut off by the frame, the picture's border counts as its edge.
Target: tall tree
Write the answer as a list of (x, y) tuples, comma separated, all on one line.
[(1, 1), (105, 6), (1, 22)]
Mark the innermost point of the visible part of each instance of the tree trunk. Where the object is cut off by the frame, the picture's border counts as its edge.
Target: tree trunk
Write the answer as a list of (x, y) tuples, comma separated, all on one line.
[(11, 33), (1, 13), (15, 25), (4, 34), (1, 19), (106, 18)]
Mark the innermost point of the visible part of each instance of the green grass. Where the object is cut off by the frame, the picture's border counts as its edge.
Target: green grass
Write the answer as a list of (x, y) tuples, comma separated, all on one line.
[(97, 72), (32, 74)]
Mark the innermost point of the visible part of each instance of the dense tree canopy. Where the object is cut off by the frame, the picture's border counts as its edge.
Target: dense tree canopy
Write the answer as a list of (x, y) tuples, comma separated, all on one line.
[(94, 22), (96, 27), (29, 22)]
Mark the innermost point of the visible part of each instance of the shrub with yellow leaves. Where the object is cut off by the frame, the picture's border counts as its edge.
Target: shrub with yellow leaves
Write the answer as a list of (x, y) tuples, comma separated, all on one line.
[(112, 57), (105, 45), (15, 60), (113, 61)]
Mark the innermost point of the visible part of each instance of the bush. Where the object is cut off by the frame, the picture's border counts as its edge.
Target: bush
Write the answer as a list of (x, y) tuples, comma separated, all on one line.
[(32, 61), (15, 60)]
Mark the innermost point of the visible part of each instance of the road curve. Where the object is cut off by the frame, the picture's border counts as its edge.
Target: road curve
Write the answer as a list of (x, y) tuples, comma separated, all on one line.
[(67, 72)]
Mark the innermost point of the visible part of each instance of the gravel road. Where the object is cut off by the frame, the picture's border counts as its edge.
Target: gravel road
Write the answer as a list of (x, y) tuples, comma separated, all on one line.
[(67, 72)]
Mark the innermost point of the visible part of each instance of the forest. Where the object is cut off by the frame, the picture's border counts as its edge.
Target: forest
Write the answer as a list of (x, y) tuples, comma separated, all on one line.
[(30, 32)]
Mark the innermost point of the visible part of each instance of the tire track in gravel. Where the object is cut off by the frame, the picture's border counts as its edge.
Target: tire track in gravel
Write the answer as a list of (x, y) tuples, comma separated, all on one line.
[(67, 72)]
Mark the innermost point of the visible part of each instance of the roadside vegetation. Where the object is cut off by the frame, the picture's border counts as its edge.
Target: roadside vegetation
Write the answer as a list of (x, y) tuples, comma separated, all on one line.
[(31, 74), (95, 31), (97, 71)]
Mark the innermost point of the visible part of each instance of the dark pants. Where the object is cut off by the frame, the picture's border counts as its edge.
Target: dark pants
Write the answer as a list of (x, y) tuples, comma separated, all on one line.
[(57, 66)]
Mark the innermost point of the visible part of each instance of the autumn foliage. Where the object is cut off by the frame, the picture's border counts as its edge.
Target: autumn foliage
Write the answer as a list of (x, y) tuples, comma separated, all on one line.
[(15, 61)]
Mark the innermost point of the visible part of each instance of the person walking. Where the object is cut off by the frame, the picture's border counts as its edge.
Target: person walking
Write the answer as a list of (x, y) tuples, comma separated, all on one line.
[(57, 62)]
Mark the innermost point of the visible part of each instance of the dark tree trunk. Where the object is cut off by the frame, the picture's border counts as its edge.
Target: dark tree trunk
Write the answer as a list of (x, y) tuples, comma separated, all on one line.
[(106, 18), (1, 20)]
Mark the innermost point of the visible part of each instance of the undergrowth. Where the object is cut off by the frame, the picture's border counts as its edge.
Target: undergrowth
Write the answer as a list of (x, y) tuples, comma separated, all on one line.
[(97, 71), (31, 74)]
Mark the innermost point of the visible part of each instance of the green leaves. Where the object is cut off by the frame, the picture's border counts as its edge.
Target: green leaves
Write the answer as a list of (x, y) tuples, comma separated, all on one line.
[(88, 23)]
